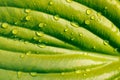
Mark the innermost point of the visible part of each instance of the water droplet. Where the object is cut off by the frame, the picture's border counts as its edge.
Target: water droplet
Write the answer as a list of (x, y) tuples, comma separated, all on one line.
[(116, 49), (94, 47), (65, 30), (40, 41), (72, 39), (56, 17), (62, 73), (105, 42), (106, 7), (27, 18), (14, 31), (77, 71), (74, 24), (69, 1), (22, 55), (28, 53), (4, 25), (50, 3), (87, 22), (35, 38), (42, 46), (88, 11), (92, 17), (80, 34), (27, 10), (33, 74), (42, 25), (40, 34), (84, 74), (87, 70), (19, 73)]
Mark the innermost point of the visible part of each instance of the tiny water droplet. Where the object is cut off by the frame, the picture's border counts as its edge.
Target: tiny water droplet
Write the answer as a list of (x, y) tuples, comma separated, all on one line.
[(42, 25), (22, 55), (105, 42), (106, 7), (50, 3), (87, 22), (65, 30), (4, 25), (87, 70), (62, 73), (69, 1), (80, 34), (40, 41), (77, 71), (72, 39), (88, 11), (74, 24), (92, 17), (14, 31), (27, 10), (27, 18), (84, 74), (35, 38), (56, 17), (19, 73), (28, 53), (116, 49), (42, 46), (33, 74), (94, 47), (40, 34)]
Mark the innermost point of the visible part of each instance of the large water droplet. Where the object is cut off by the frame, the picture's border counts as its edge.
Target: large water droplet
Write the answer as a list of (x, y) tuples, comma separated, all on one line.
[(19, 73), (56, 17), (88, 11), (74, 24), (87, 22), (69, 1), (40, 34), (14, 31), (27, 10), (33, 74), (4, 25), (42, 25), (27, 18)]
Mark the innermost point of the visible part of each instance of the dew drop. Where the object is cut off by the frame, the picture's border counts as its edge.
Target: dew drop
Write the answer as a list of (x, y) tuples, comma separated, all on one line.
[(105, 42), (50, 3), (27, 10), (40, 34), (69, 1), (4, 25), (65, 30), (84, 74), (42, 46), (88, 11), (87, 22), (22, 56), (77, 71), (72, 39), (94, 47), (19, 73), (56, 17), (62, 73), (40, 41), (28, 53), (87, 70), (14, 31), (42, 25), (80, 34), (74, 24), (33, 74), (27, 18), (92, 17), (106, 7), (35, 38)]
